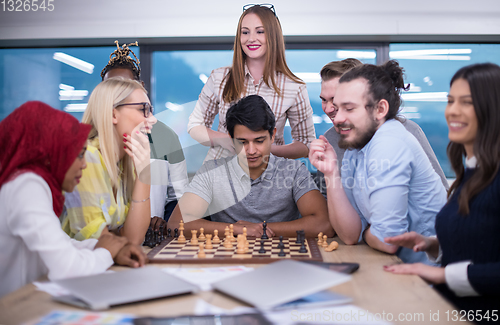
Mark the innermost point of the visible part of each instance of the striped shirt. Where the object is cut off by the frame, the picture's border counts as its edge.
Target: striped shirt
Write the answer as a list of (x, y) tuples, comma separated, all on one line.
[(293, 105)]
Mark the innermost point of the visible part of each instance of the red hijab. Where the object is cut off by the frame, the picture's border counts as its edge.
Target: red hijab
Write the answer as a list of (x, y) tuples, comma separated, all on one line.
[(40, 139)]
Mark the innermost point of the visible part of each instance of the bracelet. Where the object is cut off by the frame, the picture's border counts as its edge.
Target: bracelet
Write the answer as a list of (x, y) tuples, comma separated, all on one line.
[(140, 200)]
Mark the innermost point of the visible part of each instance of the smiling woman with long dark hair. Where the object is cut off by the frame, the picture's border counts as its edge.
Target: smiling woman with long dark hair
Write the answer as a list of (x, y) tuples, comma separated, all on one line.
[(467, 227)]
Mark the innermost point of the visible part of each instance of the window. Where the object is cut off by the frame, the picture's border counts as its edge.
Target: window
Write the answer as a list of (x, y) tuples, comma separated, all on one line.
[(428, 69), (60, 77), (179, 76)]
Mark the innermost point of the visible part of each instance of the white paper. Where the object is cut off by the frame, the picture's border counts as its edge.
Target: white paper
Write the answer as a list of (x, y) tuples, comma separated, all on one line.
[(346, 314), (204, 277), (52, 289)]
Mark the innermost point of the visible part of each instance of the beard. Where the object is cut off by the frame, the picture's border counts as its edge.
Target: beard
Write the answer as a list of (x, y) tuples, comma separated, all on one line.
[(362, 139)]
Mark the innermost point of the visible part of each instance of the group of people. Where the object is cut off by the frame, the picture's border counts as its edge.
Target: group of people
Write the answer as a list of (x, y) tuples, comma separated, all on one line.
[(378, 179)]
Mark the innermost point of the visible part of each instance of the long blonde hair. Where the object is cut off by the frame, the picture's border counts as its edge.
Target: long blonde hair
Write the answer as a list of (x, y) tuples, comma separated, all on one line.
[(275, 56), (99, 114)]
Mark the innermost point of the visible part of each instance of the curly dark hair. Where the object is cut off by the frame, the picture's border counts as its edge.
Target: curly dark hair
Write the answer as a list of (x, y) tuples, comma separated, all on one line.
[(122, 59)]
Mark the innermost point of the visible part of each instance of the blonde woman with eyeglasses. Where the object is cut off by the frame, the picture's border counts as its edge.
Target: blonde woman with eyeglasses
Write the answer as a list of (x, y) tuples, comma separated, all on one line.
[(113, 193), (259, 68)]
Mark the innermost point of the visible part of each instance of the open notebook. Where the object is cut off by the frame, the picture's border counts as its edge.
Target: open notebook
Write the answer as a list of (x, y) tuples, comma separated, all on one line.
[(102, 291)]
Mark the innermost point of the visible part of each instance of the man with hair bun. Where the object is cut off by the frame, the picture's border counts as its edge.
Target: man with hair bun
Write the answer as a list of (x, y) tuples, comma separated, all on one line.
[(330, 76), (386, 185)]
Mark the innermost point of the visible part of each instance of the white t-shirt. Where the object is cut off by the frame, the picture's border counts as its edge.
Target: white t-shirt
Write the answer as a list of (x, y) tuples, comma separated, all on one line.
[(32, 241)]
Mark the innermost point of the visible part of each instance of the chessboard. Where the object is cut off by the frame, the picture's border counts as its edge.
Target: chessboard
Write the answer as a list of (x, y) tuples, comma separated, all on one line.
[(171, 251)]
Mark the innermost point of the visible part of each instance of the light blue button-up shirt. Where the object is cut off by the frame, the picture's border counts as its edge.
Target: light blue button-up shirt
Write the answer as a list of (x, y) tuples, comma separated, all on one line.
[(391, 184)]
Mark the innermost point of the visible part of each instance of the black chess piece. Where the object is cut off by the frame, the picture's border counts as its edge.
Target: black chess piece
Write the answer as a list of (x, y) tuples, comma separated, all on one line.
[(162, 235), (262, 250), (302, 236), (282, 252), (176, 233), (303, 248), (169, 233), (264, 231), (156, 238), (298, 237), (147, 238), (280, 244)]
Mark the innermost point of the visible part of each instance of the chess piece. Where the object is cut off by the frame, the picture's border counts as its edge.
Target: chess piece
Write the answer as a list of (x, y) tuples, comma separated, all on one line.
[(280, 244), (302, 236), (182, 238), (245, 232), (216, 239), (201, 252), (147, 238), (240, 245), (264, 231), (320, 239), (333, 246), (162, 234), (282, 252), (227, 242), (201, 237), (194, 240), (208, 243), (231, 232), (226, 231), (303, 248), (325, 241), (298, 237), (247, 245), (169, 233), (176, 233), (155, 237), (262, 250)]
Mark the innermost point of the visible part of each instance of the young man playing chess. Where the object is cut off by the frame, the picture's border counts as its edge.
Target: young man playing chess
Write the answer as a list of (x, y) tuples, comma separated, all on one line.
[(253, 186)]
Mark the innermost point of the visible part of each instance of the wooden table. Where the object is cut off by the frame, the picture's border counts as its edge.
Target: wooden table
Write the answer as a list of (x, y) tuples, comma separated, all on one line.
[(407, 298)]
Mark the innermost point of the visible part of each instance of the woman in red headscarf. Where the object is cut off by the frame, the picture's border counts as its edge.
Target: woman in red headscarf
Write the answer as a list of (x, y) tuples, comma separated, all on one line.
[(42, 154)]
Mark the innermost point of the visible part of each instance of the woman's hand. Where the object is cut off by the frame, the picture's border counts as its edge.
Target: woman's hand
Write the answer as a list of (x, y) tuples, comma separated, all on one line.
[(431, 274), (412, 240), (137, 147)]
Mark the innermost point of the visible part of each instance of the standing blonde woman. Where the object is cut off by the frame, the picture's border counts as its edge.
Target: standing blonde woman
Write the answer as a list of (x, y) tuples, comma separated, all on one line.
[(114, 190), (259, 68)]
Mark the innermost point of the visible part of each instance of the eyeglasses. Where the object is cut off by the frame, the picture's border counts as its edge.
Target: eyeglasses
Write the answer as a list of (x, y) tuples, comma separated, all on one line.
[(146, 108), (265, 5)]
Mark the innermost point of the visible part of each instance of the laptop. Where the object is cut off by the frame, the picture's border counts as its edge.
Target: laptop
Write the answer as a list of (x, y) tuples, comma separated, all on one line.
[(101, 291), (282, 282)]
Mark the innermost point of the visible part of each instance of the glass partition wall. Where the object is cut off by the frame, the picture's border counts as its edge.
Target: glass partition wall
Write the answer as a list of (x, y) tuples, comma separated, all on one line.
[(174, 75)]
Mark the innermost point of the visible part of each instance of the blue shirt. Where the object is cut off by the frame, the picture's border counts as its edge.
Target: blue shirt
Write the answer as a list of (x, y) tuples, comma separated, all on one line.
[(392, 186)]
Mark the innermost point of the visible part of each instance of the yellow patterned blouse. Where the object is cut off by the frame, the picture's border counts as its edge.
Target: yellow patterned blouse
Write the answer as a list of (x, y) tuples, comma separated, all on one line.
[(92, 205)]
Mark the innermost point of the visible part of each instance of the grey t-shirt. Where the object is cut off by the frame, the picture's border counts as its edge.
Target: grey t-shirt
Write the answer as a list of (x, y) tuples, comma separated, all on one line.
[(272, 197), (333, 137)]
